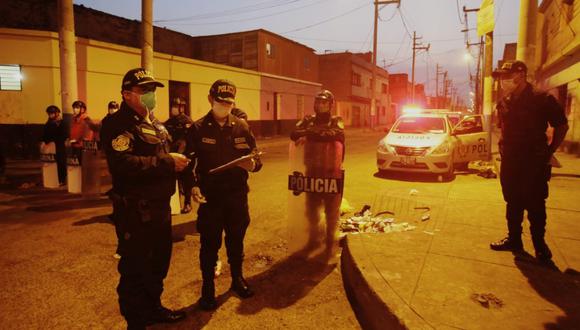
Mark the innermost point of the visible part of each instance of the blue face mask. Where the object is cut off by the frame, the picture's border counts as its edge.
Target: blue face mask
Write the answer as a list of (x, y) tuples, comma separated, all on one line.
[(148, 100)]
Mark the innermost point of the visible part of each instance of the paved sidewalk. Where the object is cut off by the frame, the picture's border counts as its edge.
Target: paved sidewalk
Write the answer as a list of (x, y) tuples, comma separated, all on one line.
[(443, 275)]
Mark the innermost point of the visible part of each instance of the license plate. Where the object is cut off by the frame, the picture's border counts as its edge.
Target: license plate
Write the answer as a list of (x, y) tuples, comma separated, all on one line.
[(408, 161)]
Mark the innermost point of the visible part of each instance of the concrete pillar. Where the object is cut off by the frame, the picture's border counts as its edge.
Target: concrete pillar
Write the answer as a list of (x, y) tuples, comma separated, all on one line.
[(526, 49), (147, 34)]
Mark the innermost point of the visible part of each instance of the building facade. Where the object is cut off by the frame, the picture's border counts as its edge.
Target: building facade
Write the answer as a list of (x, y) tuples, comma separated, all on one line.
[(558, 60), (349, 77)]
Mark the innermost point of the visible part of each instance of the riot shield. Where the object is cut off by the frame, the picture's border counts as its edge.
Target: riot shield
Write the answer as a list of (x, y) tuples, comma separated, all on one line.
[(49, 166), (91, 170), (315, 184), (73, 169)]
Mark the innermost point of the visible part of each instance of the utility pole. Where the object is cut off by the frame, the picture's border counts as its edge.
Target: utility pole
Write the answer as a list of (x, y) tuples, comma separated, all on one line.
[(68, 76), (437, 85), (527, 35), (147, 34), (477, 102), (374, 59), (445, 85), (416, 46)]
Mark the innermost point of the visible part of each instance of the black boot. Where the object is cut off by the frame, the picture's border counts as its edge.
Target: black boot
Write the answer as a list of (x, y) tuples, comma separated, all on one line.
[(543, 253), (165, 315), (207, 301), (239, 284), (508, 244)]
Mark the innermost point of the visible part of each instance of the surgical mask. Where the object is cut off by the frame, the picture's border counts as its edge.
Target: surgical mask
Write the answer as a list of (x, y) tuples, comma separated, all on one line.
[(76, 111), (508, 85), (112, 111), (148, 100), (174, 111), (221, 110)]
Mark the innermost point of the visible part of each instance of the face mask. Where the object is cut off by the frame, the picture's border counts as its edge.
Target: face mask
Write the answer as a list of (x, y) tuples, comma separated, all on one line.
[(221, 111), (76, 111), (112, 111), (174, 111), (508, 85), (148, 101)]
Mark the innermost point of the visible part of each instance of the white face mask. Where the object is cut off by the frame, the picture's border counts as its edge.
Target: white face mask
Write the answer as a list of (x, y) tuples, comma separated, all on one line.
[(174, 111), (112, 111), (508, 85), (221, 111)]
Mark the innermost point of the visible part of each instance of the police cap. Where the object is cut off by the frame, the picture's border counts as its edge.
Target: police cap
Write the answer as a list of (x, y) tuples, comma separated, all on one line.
[(52, 109), (223, 90), (138, 77), (509, 67)]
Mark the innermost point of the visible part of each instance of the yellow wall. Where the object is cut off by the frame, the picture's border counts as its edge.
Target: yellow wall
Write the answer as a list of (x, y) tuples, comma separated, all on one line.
[(37, 53), (101, 67)]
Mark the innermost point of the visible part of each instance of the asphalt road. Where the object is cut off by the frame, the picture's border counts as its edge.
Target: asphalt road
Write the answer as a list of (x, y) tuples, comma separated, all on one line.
[(57, 268)]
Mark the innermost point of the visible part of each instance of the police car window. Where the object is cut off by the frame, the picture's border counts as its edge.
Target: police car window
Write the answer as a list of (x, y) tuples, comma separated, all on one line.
[(420, 125)]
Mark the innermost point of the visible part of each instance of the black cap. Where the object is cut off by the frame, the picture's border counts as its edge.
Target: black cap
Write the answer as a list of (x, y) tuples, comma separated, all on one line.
[(137, 77), (52, 109), (510, 67), (223, 90)]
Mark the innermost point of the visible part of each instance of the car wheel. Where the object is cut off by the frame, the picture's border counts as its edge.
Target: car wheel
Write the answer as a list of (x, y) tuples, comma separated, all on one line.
[(450, 175), (464, 166)]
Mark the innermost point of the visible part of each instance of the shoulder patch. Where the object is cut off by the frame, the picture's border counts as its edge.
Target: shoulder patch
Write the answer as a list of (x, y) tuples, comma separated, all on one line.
[(121, 143)]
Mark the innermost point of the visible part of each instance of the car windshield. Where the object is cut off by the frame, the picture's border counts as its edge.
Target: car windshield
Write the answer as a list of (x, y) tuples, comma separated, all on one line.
[(420, 125), (454, 119)]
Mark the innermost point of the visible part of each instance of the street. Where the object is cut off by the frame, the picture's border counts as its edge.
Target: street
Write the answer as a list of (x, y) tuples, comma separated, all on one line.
[(58, 270)]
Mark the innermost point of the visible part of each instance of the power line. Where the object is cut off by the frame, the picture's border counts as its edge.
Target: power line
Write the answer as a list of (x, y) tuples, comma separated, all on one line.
[(458, 12), (328, 20), (404, 23), (229, 12), (252, 18)]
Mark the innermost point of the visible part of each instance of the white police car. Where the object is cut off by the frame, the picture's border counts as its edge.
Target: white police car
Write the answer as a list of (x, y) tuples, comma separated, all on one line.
[(429, 143)]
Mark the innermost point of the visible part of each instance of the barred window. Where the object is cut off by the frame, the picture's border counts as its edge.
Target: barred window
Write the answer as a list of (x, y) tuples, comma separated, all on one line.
[(10, 77)]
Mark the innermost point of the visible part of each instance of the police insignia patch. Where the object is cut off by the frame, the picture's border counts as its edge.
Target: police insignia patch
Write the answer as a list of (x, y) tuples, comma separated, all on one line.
[(120, 143)]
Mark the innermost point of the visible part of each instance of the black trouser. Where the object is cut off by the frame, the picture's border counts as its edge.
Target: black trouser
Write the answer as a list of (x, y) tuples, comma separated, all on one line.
[(185, 186), (225, 211), (61, 165), (524, 182), (331, 203), (145, 248)]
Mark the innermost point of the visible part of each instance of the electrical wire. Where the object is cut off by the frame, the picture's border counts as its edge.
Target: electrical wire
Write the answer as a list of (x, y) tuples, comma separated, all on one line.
[(328, 20)]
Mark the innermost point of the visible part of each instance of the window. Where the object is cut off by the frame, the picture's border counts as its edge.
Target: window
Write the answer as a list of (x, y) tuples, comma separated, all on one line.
[(270, 50), (10, 77), (356, 79)]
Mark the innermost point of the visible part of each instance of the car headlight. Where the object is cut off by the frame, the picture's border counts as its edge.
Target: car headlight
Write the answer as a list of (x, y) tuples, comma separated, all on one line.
[(441, 149), (385, 148)]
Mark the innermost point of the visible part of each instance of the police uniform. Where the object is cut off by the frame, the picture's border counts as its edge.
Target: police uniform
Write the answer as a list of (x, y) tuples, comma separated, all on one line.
[(55, 131), (321, 127), (525, 168), (143, 176), (177, 127), (226, 193)]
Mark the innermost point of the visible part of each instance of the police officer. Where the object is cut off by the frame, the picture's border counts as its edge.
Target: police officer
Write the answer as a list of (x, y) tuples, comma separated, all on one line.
[(524, 115), (56, 131), (143, 172), (320, 127), (218, 138), (177, 126)]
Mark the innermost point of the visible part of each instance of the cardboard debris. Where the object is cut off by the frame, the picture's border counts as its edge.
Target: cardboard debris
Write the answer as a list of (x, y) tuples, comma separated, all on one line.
[(487, 300), (366, 223)]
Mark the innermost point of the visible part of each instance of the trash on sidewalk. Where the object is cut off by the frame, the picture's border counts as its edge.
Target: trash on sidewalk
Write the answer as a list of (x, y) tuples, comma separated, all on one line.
[(367, 223), (488, 174), (485, 168), (487, 300), (345, 207), (262, 260)]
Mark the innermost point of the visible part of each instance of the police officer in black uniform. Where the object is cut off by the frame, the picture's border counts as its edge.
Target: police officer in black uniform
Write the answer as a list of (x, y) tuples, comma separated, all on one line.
[(218, 138), (320, 127), (143, 172), (524, 115), (56, 131), (177, 126)]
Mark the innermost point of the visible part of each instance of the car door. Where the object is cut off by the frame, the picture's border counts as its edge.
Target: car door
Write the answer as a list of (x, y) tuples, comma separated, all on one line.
[(471, 141)]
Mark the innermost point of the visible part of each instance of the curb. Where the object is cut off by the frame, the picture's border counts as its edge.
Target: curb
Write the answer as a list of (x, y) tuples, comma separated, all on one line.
[(370, 306)]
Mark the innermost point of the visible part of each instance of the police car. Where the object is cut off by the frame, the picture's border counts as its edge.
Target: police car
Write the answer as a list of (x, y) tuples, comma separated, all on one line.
[(430, 143)]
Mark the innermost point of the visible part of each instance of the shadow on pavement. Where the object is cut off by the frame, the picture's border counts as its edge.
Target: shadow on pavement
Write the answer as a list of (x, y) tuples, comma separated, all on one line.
[(74, 204), (285, 283), (181, 230), (196, 318), (95, 219), (561, 289), (413, 177), (565, 175)]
